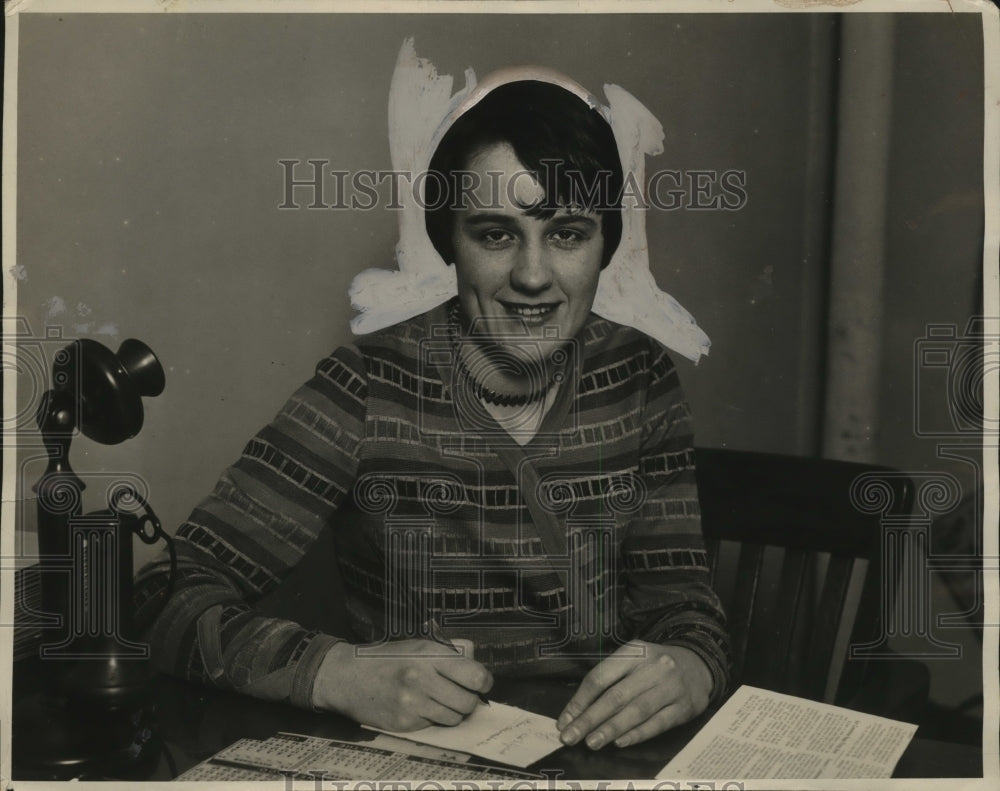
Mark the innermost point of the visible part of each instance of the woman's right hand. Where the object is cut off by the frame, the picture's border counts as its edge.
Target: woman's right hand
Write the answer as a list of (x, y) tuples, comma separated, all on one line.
[(400, 686)]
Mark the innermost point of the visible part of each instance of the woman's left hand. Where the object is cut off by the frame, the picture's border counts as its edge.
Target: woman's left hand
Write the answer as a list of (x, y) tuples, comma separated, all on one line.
[(639, 691)]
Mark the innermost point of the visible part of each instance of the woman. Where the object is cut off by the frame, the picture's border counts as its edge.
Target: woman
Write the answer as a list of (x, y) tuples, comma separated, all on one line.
[(507, 468)]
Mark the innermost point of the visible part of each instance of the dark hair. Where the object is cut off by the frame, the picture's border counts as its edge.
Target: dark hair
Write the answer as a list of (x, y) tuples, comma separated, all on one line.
[(557, 136)]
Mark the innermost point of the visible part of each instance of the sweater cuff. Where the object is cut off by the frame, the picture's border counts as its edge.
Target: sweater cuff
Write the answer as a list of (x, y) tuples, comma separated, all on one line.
[(307, 669), (718, 669)]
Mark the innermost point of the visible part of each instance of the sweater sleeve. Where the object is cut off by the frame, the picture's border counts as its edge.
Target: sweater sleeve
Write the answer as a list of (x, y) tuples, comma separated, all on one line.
[(239, 542), (667, 597)]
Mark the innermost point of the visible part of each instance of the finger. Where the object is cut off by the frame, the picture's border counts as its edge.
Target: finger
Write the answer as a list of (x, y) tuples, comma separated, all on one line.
[(455, 697), (606, 673), (437, 714), (413, 709), (644, 687), (664, 719), (639, 710), (466, 673), (402, 724)]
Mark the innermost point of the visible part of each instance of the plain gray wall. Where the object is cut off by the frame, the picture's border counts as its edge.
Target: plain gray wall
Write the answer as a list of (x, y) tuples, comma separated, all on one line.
[(149, 182)]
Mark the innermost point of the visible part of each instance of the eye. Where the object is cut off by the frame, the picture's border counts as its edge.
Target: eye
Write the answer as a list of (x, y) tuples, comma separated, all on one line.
[(496, 238), (568, 236)]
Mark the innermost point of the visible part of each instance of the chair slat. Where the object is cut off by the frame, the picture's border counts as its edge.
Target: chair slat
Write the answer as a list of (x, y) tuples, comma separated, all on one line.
[(826, 621), (794, 597), (772, 634), (748, 570)]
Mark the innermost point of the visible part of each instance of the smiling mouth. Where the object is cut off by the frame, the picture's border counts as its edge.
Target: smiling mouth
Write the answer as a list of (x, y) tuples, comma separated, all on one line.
[(530, 313)]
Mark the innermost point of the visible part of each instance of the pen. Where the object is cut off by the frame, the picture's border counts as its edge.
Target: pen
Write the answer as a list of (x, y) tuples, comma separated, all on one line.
[(438, 637)]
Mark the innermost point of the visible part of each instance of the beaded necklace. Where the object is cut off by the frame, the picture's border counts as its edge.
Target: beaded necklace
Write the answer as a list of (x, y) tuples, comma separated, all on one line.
[(488, 394)]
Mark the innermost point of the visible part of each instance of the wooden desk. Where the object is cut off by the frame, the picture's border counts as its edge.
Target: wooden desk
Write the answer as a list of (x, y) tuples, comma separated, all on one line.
[(191, 723)]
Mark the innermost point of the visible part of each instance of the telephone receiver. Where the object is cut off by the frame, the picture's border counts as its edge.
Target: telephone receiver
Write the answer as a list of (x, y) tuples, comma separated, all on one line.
[(91, 657), (107, 387)]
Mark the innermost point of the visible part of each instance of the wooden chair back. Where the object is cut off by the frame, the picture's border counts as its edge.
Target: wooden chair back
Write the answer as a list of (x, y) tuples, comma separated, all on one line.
[(797, 565)]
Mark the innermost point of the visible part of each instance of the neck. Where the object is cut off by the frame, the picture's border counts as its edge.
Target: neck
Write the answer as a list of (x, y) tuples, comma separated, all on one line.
[(506, 377), (501, 381)]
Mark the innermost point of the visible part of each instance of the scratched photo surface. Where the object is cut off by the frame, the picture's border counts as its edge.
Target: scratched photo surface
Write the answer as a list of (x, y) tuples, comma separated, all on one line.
[(176, 184)]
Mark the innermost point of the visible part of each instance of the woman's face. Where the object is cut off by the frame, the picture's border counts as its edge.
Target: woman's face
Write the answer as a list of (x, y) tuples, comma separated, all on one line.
[(515, 271)]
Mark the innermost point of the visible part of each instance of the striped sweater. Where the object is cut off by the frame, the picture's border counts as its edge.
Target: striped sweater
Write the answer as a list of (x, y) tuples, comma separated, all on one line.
[(547, 556)]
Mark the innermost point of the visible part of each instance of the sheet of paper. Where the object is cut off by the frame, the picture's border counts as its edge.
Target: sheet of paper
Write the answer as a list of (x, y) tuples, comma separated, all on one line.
[(759, 734), (312, 759), (383, 741), (497, 732)]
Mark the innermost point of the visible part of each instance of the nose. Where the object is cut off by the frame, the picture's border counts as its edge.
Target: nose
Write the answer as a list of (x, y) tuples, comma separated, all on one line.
[(532, 272)]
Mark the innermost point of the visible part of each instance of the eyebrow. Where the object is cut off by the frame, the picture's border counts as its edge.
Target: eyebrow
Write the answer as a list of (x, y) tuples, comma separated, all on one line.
[(479, 219), (573, 219), (487, 218)]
